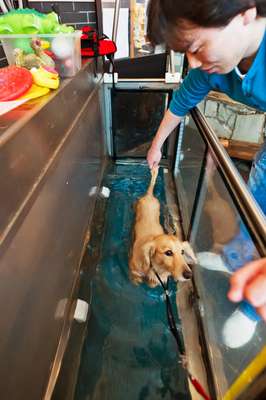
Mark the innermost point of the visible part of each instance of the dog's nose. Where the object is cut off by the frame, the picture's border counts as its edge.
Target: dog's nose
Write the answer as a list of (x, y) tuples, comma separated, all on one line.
[(187, 274)]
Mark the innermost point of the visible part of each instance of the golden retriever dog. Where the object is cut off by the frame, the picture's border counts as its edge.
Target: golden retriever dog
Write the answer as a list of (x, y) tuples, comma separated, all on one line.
[(153, 249)]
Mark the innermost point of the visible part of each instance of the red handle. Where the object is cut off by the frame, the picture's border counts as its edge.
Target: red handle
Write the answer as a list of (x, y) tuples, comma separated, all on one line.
[(198, 387)]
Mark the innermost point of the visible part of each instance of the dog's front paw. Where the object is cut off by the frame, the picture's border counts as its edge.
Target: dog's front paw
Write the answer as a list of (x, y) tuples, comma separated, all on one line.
[(152, 282), (164, 277), (136, 278)]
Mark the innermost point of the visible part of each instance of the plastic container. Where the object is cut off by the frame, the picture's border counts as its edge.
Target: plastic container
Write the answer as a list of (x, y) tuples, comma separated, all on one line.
[(65, 48)]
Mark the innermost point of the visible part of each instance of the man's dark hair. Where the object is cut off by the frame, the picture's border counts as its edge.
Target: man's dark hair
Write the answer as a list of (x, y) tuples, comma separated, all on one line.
[(166, 15)]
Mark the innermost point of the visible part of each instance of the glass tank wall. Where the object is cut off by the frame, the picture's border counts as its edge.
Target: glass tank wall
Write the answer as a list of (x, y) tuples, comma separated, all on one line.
[(216, 227), (211, 219), (125, 319)]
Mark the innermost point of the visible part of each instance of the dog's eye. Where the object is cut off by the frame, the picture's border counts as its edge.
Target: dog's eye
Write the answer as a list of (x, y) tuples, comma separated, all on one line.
[(182, 252), (168, 253)]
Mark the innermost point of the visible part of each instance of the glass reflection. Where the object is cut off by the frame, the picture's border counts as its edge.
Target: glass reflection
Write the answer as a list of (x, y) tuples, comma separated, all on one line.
[(133, 127)]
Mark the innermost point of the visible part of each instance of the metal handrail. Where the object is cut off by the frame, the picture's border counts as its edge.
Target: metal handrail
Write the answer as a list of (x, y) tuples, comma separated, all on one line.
[(116, 20), (251, 211)]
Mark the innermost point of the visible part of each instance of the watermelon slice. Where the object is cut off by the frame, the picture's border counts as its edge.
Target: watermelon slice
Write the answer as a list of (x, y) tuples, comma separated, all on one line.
[(14, 82)]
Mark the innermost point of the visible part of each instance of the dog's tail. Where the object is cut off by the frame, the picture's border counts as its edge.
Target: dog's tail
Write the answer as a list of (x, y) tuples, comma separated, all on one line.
[(154, 173)]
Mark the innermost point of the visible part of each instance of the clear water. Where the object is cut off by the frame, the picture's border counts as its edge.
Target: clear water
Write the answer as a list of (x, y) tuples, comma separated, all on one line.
[(129, 352)]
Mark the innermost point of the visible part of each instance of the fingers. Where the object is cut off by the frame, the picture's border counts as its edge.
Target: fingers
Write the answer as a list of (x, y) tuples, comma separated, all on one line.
[(262, 312), (249, 282), (155, 165), (240, 278), (255, 291), (153, 160), (153, 157)]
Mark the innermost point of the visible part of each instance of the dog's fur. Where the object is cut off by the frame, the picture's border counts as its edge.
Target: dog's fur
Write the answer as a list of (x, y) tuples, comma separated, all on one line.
[(153, 250), (220, 211), (222, 216)]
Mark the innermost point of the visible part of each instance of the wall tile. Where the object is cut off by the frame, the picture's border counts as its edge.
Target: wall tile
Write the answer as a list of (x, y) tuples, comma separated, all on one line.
[(81, 25), (74, 17), (37, 6), (84, 6)]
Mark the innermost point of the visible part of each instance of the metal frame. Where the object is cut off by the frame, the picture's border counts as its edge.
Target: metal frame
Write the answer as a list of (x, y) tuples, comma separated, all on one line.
[(121, 90), (127, 86), (61, 157)]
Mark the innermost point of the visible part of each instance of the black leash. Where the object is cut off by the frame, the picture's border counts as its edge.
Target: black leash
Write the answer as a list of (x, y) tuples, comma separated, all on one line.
[(179, 342), (170, 316)]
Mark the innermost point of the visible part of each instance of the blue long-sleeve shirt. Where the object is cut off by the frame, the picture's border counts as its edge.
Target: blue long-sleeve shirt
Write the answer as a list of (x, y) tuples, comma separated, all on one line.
[(251, 90)]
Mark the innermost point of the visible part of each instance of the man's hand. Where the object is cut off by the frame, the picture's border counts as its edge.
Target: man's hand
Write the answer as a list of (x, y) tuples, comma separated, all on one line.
[(154, 156), (167, 125), (249, 283)]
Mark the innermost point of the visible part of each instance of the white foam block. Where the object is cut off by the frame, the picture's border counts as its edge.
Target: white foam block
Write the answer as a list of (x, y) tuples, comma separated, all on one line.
[(81, 311), (105, 192), (238, 330)]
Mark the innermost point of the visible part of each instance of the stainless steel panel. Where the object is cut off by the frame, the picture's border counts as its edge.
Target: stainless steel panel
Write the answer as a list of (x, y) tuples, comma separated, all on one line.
[(48, 166), (27, 144)]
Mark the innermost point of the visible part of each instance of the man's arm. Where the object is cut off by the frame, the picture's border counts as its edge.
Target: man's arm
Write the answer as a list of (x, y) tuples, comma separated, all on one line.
[(168, 124), (193, 89)]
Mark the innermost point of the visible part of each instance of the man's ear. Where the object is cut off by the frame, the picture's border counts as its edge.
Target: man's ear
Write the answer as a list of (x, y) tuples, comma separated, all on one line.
[(189, 254), (142, 256), (249, 15)]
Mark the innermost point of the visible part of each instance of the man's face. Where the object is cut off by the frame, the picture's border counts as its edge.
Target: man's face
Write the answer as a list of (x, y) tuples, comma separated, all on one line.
[(214, 50)]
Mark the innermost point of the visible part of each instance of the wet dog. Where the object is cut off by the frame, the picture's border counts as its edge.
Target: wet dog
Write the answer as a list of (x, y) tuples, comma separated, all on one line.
[(153, 250)]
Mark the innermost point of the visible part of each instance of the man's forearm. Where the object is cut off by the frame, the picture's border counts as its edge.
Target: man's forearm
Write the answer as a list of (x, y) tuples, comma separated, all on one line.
[(168, 124)]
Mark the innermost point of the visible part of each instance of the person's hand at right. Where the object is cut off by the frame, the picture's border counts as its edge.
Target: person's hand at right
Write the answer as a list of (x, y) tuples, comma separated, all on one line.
[(249, 283), (154, 156)]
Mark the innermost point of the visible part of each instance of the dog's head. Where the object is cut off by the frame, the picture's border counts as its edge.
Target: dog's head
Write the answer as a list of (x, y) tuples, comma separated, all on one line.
[(167, 255)]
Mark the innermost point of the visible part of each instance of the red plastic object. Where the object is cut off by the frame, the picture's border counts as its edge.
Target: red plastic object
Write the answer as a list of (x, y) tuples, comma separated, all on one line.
[(92, 45), (14, 82), (105, 47)]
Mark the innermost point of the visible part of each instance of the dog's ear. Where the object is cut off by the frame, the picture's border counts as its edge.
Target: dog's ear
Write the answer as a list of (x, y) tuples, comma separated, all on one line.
[(142, 256), (189, 254)]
